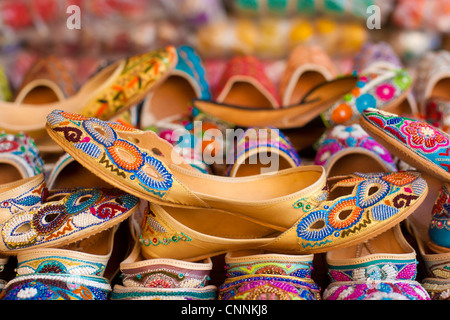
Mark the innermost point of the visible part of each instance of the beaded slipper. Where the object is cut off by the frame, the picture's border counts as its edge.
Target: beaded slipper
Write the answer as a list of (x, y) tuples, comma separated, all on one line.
[(381, 268), (260, 151), (76, 272), (306, 67), (244, 83), (163, 279), (111, 91), (339, 101), (64, 217), (344, 149), (143, 164), (416, 142), (350, 215), (173, 97), (268, 277)]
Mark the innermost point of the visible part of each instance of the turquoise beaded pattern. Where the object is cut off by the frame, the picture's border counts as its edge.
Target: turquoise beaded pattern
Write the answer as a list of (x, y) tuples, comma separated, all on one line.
[(56, 287), (26, 200), (439, 228)]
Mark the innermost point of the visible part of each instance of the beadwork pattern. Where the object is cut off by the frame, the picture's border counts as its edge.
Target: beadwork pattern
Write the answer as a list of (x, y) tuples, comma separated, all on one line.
[(374, 199), (99, 140), (428, 142), (439, 228), (127, 293), (56, 287), (79, 210)]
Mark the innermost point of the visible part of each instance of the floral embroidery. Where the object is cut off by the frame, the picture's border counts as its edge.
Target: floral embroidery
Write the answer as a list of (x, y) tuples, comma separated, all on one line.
[(422, 135)]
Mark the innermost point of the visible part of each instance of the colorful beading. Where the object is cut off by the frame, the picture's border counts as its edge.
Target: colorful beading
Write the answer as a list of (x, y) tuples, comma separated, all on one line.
[(79, 211), (375, 199), (375, 290), (268, 287), (438, 289), (373, 90), (56, 287), (340, 138), (426, 141), (138, 293), (21, 151), (385, 270)]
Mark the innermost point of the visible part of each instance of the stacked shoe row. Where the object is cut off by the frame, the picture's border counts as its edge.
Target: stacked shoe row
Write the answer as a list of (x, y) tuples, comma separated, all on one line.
[(348, 205)]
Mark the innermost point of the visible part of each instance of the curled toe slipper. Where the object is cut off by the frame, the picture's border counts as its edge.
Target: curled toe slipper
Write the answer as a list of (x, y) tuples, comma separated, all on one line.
[(439, 229), (265, 276), (358, 207), (416, 142), (64, 217), (345, 149), (383, 267), (262, 150)]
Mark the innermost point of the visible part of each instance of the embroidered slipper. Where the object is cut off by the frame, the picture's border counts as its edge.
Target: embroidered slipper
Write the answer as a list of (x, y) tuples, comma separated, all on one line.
[(384, 267), (163, 279), (266, 276), (143, 164), (436, 263), (48, 80), (76, 272), (262, 150), (437, 113), (439, 229), (244, 83), (339, 101), (173, 97), (111, 91), (306, 67), (433, 78), (64, 217), (416, 142), (349, 216), (344, 149), (67, 174)]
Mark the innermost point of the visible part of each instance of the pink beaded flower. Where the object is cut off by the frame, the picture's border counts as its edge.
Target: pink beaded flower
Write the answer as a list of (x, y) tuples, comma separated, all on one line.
[(423, 136)]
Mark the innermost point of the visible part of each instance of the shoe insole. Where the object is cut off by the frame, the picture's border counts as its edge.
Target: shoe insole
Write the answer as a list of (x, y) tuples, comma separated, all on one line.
[(355, 162), (75, 175), (40, 95), (305, 83), (9, 173), (253, 165), (245, 94)]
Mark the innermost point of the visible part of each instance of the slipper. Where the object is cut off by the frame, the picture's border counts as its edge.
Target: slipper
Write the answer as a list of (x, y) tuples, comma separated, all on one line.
[(260, 151), (49, 80), (344, 149), (173, 97), (416, 142), (439, 229), (75, 272), (143, 164), (339, 101), (433, 78), (113, 90), (163, 279), (437, 113), (349, 216), (266, 276), (306, 67), (383, 267), (244, 83), (64, 217)]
